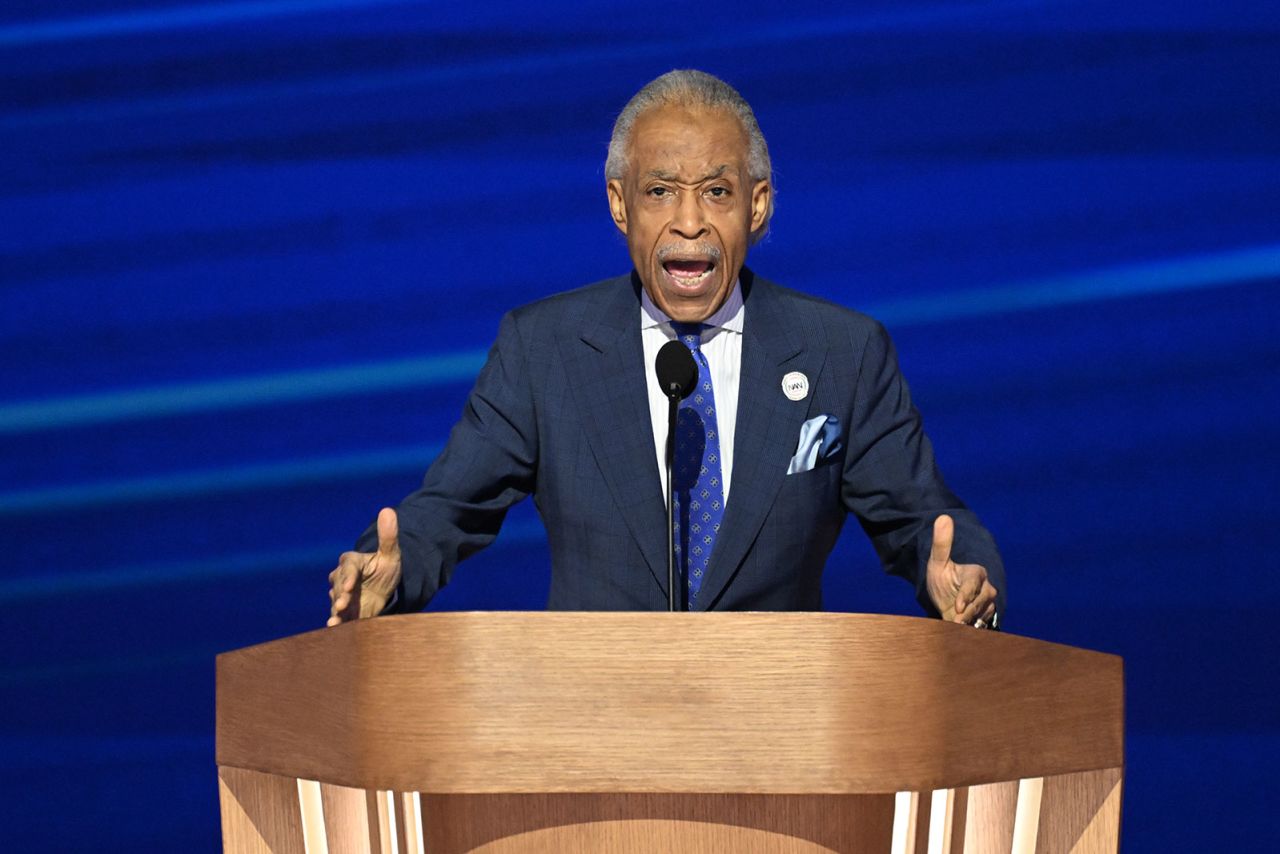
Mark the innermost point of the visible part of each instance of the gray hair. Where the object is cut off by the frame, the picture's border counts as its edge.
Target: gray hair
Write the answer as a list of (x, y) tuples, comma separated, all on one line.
[(688, 87)]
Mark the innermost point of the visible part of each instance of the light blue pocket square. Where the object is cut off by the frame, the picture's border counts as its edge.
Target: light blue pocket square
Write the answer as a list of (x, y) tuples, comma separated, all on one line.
[(819, 440)]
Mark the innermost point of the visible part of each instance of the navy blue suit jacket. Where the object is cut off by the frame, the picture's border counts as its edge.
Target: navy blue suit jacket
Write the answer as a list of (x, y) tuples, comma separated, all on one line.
[(560, 412)]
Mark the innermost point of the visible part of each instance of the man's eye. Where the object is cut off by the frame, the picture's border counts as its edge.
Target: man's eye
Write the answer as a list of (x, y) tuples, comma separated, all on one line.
[(659, 192), (718, 192)]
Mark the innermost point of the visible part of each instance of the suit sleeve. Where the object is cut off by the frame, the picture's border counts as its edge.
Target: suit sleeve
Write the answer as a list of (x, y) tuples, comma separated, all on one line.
[(892, 484), (488, 464)]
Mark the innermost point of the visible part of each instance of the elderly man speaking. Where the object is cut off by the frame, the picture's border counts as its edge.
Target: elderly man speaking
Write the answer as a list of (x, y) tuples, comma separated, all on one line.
[(799, 415)]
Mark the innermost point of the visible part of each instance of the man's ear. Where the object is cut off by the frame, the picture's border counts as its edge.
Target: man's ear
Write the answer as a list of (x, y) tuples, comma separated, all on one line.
[(617, 204), (761, 204)]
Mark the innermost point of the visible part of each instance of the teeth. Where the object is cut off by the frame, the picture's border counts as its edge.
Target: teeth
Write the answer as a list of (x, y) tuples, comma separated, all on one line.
[(688, 278)]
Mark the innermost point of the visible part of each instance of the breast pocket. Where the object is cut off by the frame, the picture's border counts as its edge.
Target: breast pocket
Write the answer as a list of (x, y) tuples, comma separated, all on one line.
[(807, 510), (812, 491)]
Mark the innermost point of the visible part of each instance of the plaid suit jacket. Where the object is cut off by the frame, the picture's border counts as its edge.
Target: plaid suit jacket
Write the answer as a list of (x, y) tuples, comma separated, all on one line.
[(560, 412)]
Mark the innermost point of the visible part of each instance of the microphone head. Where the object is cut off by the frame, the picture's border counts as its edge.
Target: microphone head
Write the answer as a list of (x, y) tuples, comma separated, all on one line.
[(677, 372)]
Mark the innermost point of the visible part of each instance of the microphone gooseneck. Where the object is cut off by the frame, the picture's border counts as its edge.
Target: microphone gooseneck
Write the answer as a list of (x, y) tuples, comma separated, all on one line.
[(677, 377)]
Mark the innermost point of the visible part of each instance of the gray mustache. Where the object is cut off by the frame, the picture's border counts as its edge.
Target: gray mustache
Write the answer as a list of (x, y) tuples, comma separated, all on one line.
[(705, 251)]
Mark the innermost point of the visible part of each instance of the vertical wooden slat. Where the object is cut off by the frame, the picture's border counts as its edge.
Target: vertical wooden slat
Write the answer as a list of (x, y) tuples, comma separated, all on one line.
[(376, 818), (939, 800), (989, 820), (385, 823), (923, 810), (311, 811), (346, 820), (260, 812), (958, 821), (903, 839), (1026, 817), (942, 823), (910, 824), (410, 827), (400, 825)]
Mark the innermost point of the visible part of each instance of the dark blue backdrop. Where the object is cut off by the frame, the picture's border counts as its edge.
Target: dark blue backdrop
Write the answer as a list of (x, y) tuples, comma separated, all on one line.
[(251, 255)]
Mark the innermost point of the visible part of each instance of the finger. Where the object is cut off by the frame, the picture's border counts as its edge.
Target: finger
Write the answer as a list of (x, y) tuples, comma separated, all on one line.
[(347, 606), (342, 587), (943, 531), (971, 577), (336, 578), (335, 585), (970, 585), (982, 598), (989, 613), (388, 533), (989, 594)]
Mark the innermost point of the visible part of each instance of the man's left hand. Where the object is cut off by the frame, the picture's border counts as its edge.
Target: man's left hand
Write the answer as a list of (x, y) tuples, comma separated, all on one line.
[(960, 591)]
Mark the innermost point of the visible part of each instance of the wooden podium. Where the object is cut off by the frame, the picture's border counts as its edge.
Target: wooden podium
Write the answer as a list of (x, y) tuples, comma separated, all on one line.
[(733, 732)]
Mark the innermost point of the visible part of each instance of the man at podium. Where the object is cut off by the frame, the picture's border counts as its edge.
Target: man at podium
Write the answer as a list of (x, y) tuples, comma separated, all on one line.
[(796, 415)]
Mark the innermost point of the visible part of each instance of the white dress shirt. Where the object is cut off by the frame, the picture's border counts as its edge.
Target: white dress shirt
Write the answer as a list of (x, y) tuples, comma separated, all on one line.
[(722, 345)]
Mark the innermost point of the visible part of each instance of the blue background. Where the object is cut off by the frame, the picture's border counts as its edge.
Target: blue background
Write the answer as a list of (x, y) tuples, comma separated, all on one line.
[(252, 253)]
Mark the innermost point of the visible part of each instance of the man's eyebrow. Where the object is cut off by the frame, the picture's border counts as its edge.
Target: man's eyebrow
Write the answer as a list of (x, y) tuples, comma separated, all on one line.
[(671, 176)]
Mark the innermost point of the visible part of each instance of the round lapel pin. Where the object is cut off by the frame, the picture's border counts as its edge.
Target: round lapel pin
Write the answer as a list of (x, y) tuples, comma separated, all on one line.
[(795, 386)]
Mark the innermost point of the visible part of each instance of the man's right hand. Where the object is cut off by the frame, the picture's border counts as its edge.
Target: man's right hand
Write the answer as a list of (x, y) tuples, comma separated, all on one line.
[(363, 583)]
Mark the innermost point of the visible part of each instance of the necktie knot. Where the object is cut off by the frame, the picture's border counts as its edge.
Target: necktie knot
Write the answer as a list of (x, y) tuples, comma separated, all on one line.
[(690, 334)]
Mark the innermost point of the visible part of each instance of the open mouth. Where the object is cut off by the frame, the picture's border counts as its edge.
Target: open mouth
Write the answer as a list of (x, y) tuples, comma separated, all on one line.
[(688, 273)]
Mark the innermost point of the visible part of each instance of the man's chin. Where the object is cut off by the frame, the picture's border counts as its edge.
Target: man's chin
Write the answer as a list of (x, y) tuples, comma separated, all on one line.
[(690, 309)]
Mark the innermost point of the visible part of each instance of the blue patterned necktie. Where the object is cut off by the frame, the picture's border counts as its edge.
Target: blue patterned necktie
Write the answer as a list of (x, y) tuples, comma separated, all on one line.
[(699, 489)]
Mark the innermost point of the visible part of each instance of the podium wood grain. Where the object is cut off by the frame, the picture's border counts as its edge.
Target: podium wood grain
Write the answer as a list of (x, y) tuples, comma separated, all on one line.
[(590, 729)]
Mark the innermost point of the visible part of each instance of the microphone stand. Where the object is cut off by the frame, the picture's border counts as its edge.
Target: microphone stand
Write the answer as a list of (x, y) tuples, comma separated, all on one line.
[(677, 376), (673, 406)]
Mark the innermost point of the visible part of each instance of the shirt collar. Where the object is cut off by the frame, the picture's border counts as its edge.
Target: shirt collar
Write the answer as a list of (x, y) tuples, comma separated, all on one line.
[(727, 317)]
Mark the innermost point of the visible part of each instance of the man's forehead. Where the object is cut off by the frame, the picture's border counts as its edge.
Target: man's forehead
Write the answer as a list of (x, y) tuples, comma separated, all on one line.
[(690, 144)]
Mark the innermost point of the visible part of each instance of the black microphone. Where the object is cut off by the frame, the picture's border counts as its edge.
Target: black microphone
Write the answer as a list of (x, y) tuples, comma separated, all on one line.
[(677, 372), (677, 376)]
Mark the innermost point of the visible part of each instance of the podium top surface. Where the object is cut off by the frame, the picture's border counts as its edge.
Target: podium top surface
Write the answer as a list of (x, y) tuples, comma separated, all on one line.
[(702, 702)]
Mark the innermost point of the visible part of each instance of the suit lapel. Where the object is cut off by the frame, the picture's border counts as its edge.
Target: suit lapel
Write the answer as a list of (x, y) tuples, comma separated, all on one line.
[(767, 426), (606, 362)]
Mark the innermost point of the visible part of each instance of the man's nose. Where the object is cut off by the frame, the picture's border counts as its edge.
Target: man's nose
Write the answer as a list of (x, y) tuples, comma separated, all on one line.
[(689, 221)]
